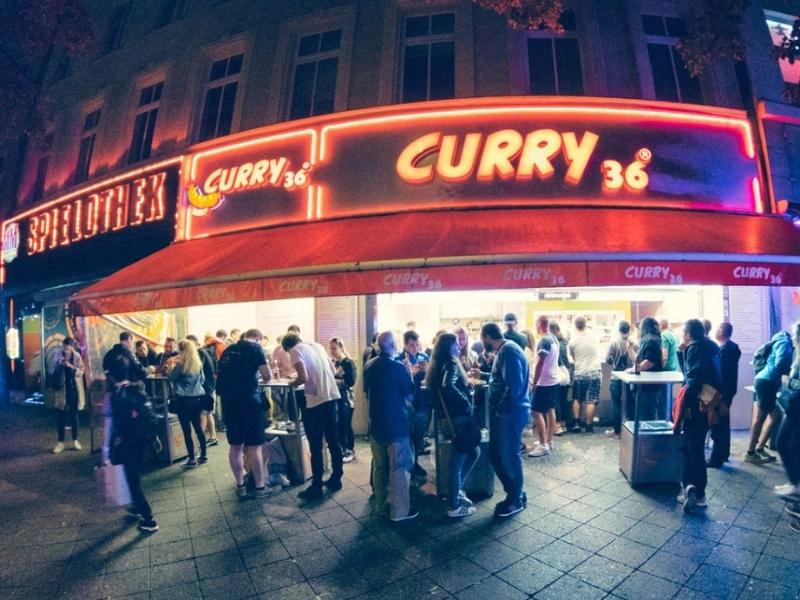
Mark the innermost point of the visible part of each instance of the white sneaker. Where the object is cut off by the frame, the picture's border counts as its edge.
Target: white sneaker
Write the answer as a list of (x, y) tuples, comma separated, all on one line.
[(461, 511), (348, 458), (76, 445), (267, 491), (59, 448), (787, 490), (540, 450), (464, 499), (691, 499), (682, 496)]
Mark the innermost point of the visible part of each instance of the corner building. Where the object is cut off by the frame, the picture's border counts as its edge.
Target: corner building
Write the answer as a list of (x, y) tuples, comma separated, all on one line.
[(357, 166)]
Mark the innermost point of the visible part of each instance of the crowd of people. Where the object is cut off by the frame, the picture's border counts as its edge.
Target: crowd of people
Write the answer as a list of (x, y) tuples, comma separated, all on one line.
[(547, 379)]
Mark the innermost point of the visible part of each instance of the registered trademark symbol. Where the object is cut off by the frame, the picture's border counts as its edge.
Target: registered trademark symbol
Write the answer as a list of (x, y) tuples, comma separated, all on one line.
[(644, 155)]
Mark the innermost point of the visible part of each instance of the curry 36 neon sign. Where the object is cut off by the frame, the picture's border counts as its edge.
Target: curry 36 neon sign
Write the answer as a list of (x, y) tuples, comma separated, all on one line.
[(475, 153)]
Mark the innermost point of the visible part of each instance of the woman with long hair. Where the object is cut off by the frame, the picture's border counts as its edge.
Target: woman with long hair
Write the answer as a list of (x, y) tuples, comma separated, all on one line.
[(451, 398), (187, 381), (345, 374), (649, 358), (563, 406)]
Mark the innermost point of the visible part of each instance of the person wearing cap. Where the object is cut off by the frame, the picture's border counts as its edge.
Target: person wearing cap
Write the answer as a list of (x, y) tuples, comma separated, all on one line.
[(511, 332)]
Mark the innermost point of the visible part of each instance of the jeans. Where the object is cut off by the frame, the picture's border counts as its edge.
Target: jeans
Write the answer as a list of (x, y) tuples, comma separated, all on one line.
[(68, 416), (615, 388), (131, 465), (391, 475), (721, 437), (788, 446), (563, 406), (346, 437), (504, 450), (459, 466), (189, 416), (694, 457), (420, 420), (321, 422)]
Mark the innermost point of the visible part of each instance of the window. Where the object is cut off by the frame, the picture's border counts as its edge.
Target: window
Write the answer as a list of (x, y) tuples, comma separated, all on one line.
[(429, 58), (223, 82), (116, 28), (781, 26), (670, 78), (315, 67), (554, 61), (86, 150), (171, 11), (145, 123)]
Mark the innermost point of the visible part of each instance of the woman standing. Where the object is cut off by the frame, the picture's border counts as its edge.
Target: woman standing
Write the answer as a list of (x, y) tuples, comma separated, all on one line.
[(788, 443), (451, 397), (71, 397), (187, 386), (563, 406), (649, 358), (345, 379)]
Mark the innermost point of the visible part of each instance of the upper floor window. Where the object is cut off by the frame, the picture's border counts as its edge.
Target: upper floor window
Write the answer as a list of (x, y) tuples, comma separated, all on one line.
[(220, 98), (554, 60), (671, 80), (86, 150), (429, 58), (116, 28), (781, 27), (144, 125), (42, 168), (171, 11), (315, 68)]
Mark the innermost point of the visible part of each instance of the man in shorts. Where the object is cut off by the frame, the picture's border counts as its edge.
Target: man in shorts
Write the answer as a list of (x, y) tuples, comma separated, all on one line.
[(245, 417), (586, 384), (545, 388)]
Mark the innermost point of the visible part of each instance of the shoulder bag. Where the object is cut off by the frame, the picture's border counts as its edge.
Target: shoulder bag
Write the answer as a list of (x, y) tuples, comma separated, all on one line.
[(469, 436)]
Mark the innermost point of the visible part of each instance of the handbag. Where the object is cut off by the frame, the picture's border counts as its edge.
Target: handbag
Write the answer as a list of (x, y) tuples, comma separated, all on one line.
[(112, 485), (468, 437), (563, 375)]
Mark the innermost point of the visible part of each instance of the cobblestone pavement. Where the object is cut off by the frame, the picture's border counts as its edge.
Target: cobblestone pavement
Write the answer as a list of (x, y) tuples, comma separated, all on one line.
[(585, 534)]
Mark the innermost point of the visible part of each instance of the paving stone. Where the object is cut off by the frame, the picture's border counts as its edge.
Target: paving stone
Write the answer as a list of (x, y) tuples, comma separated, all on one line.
[(601, 572), (689, 546), (778, 570), (170, 574), (561, 555), (650, 535), (578, 511), (529, 575), (744, 538), (216, 565), (127, 582), (589, 538), (526, 540), (457, 574), (182, 591), (758, 589), (305, 543), (570, 587), (736, 559), (413, 588), (492, 587), (494, 556), (346, 583), (298, 591), (613, 523), (642, 586), (275, 576), (554, 525), (716, 581), (670, 566), (227, 587)]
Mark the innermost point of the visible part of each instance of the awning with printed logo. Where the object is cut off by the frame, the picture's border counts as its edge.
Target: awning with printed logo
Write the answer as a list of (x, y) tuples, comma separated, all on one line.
[(458, 250)]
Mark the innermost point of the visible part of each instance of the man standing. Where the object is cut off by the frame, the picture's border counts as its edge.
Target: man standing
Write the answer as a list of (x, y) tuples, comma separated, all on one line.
[(699, 370), (586, 384), (669, 347), (510, 406), (315, 372), (511, 332), (135, 373), (621, 356), (416, 362), (170, 351), (389, 392), (729, 355), (245, 417), (768, 383), (545, 387)]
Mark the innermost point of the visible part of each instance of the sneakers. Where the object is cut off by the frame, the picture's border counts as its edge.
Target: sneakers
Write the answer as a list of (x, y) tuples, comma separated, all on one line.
[(795, 525), (202, 460), (349, 456), (333, 484), (576, 428), (131, 512), (267, 491), (76, 445), (560, 430), (762, 452), (189, 463), (419, 475), (609, 433), (241, 491), (462, 497), (589, 430), (312, 492), (793, 508), (505, 508), (461, 511), (59, 448), (148, 526), (787, 491), (691, 499), (212, 442), (524, 500), (540, 450), (681, 499), (412, 514), (755, 458), (701, 502), (279, 479)]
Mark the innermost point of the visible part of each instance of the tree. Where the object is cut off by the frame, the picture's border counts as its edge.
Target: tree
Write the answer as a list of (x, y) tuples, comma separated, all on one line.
[(31, 34), (527, 14), (714, 32), (789, 50)]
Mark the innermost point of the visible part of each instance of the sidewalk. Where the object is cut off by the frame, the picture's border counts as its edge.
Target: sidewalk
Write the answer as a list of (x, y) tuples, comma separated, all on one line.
[(586, 534)]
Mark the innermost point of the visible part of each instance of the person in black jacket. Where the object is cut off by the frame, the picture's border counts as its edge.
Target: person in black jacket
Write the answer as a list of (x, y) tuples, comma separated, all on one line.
[(345, 374), (133, 430), (729, 355), (452, 402), (699, 369)]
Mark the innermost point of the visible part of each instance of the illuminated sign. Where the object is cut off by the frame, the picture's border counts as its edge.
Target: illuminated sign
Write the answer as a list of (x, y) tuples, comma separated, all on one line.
[(477, 153), (126, 204), (10, 242)]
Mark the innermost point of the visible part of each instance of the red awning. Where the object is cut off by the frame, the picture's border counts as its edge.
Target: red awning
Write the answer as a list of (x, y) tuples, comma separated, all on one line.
[(452, 250)]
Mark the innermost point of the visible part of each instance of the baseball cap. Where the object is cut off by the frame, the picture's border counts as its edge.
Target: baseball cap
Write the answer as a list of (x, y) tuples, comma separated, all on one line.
[(510, 318)]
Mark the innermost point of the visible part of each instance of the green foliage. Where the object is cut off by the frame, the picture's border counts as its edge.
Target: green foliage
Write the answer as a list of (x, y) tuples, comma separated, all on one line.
[(527, 14), (714, 32)]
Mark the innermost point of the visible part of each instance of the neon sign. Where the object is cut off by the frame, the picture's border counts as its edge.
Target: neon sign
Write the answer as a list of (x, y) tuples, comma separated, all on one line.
[(128, 204), (10, 242), (477, 153)]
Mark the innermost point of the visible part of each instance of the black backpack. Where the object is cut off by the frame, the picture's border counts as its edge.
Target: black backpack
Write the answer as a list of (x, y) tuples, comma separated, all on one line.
[(761, 357), (231, 376)]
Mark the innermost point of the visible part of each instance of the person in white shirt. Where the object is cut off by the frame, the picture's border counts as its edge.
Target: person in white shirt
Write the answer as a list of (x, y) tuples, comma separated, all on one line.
[(315, 372), (545, 388), (586, 385)]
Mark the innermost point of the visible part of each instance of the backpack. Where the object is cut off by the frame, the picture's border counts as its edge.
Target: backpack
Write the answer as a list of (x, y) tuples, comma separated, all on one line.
[(761, 357), (231, 376)]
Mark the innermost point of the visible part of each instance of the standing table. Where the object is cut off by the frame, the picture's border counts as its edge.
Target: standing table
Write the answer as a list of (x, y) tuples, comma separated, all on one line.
[(293, 438), (649, 451), (174, 446)]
